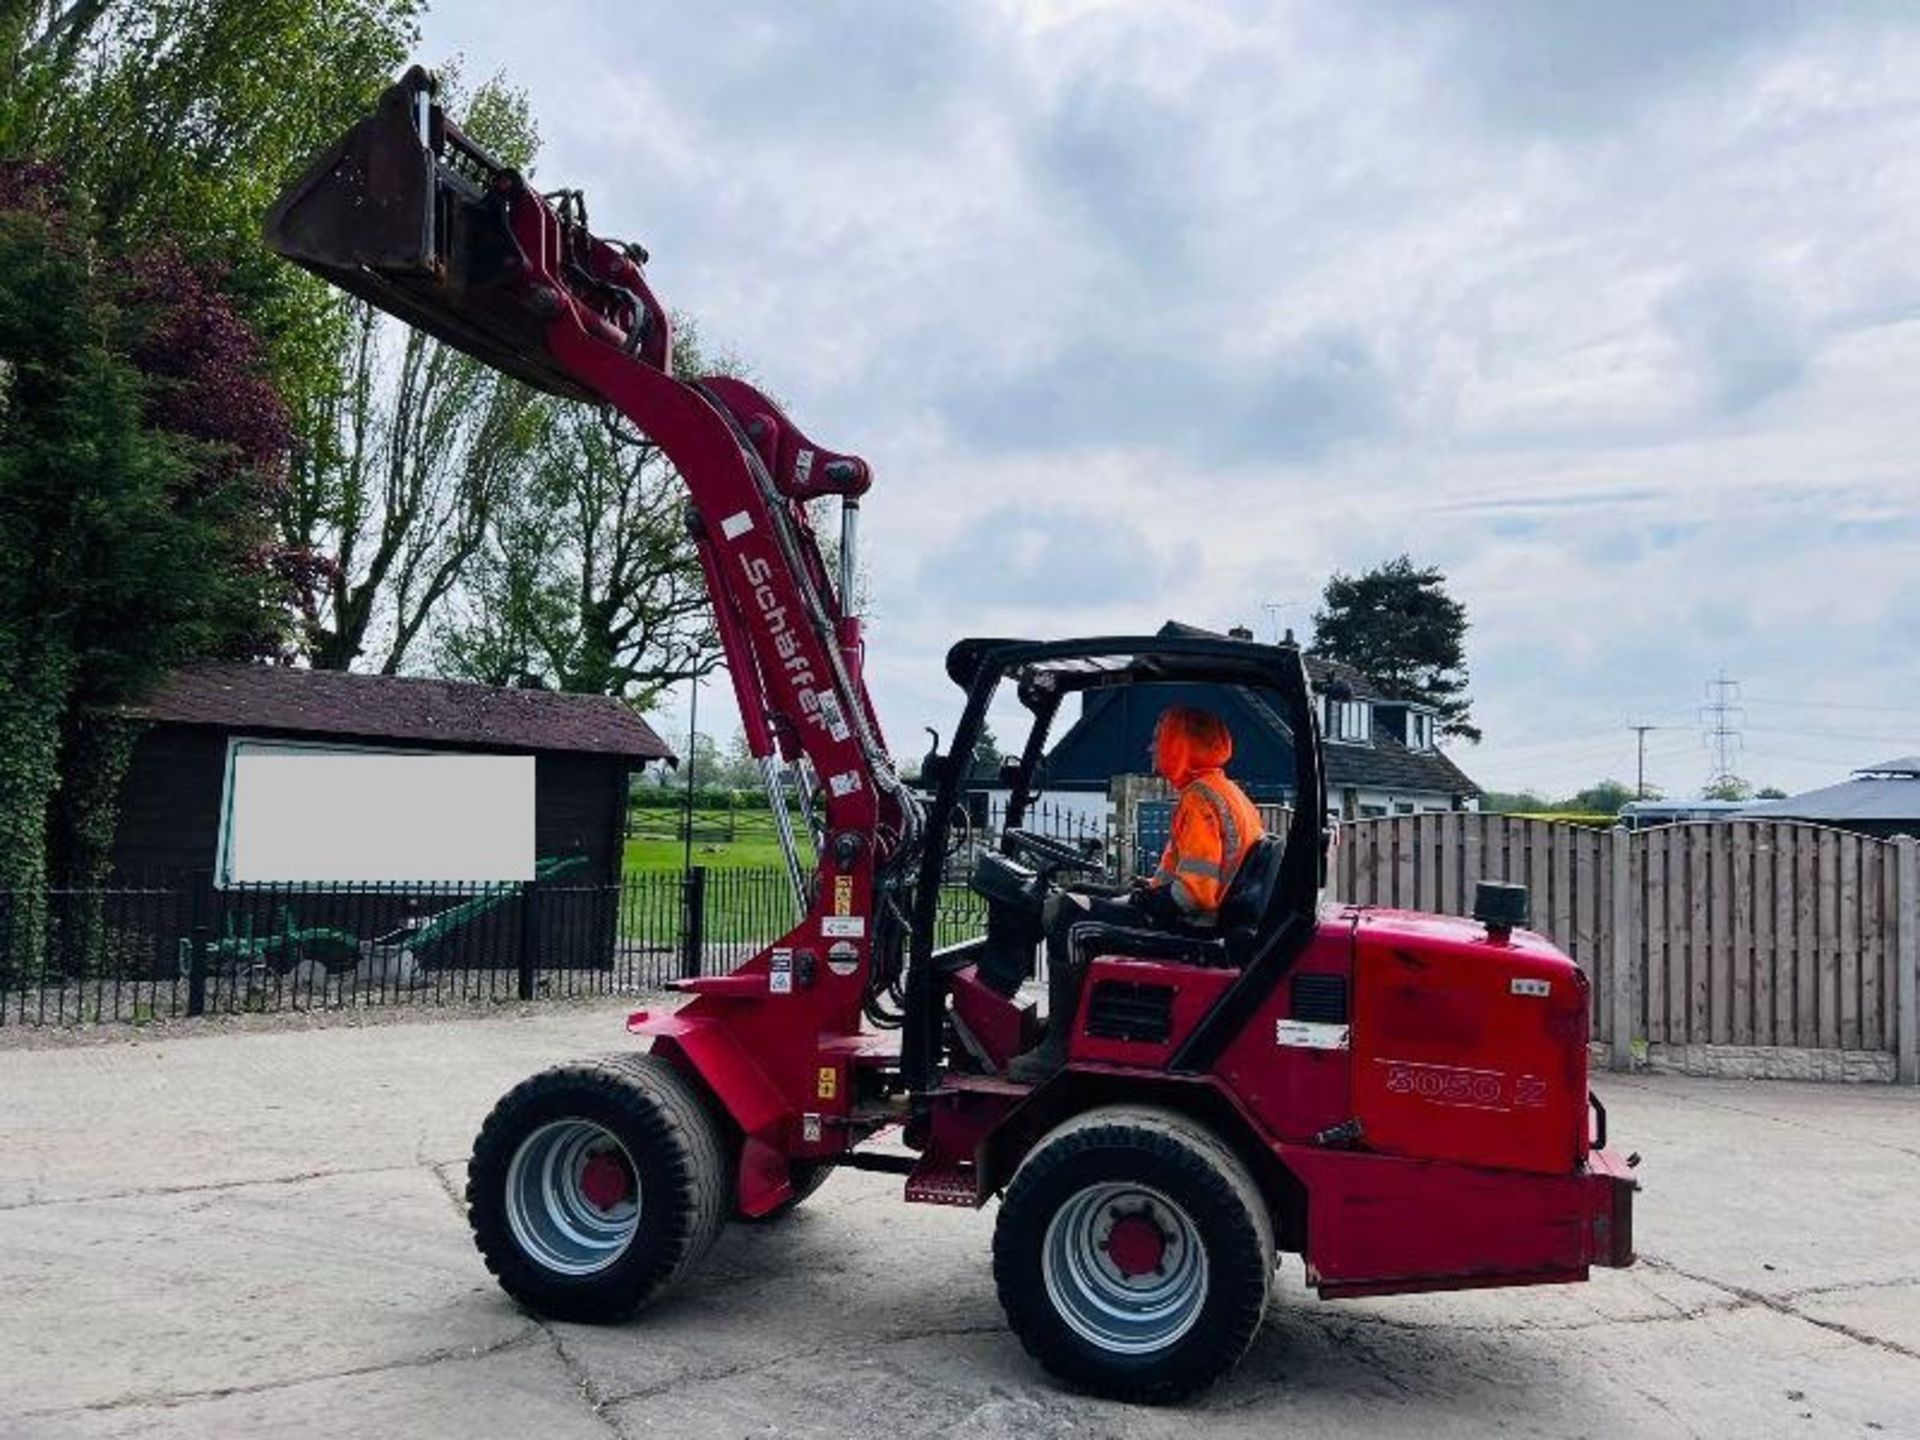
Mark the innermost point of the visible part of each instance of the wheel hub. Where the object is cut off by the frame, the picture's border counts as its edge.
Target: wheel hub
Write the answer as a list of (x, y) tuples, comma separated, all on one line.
[(573, 1200), (1125, 1267), (604, 1181), (1136, 1245)]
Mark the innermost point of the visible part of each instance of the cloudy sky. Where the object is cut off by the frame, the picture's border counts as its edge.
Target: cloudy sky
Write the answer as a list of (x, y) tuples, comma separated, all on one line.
[(1146, 308)]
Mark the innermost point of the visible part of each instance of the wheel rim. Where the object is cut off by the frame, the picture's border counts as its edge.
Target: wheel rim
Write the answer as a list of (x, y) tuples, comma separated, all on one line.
[(1125, 1268), (573, 1197)]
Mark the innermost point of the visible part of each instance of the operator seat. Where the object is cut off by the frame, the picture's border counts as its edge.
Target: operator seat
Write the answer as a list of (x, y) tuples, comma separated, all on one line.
[(1226, 944)]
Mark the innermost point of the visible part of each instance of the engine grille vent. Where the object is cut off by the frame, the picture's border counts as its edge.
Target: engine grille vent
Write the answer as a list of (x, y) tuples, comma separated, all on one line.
[(1320, 998), (1122, 1010)]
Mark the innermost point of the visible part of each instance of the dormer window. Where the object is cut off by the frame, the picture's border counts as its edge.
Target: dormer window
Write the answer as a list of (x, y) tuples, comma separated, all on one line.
[(1420, 732), (1349, 722)]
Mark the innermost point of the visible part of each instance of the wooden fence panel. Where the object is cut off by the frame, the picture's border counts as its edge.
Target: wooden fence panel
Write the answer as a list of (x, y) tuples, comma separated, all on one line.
[(1785, 909), (1719, 968), (1759, 848), (1743, 903), (1806, 975), (1750, 932), (1653, 933), (1432, 862), (1679, 926), (1849, 955), (1698, 840), (1876, 1015)]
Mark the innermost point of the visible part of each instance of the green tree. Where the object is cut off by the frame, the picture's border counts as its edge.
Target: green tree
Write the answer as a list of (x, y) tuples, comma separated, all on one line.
[(137, 447), (738, 769), (427, 446), (1514, 802), (182, 118), (1604, 798), (589, 579), (1769, 792), (412, 454), (702, 761), (1397, 625), (1727, 787), (987, 757)]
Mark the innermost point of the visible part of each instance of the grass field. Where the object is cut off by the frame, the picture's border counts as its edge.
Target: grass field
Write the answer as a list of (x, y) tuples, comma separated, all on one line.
[(649, 856), (739, 906), (655, 843)]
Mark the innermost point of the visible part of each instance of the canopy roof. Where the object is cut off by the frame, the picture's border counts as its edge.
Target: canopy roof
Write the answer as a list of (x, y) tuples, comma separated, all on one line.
[(1884, 792)]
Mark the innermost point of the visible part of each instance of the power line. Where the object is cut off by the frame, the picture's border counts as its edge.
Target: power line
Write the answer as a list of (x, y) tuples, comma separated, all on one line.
[(1825, 732), (1769, 753), (1834, 705)]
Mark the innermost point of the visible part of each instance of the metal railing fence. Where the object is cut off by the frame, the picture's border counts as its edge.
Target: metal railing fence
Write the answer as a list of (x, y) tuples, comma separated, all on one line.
[(177, 946)]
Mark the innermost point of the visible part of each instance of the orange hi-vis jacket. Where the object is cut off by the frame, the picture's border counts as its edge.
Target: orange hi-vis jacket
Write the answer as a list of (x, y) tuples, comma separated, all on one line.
[(1214, 822)]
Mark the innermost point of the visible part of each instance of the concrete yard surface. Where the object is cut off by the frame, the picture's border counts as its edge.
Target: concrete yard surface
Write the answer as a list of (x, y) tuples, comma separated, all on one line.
[(260, 1234)]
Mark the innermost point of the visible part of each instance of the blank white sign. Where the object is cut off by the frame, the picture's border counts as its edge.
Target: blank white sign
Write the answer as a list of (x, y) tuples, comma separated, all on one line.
[(333, 814)]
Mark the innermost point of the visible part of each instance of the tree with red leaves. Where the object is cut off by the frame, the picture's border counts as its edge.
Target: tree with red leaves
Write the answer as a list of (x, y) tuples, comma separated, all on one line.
[(140, 451)]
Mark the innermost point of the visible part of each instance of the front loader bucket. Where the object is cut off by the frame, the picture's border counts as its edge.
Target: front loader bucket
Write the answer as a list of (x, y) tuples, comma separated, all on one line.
[(410, 215), (368, 200)]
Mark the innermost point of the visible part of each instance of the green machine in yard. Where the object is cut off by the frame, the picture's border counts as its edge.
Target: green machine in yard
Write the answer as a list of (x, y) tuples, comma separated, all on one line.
[(244, 948)]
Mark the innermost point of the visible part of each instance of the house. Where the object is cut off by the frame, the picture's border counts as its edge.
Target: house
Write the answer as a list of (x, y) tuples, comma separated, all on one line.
[(1381, 754), (265, 774), (1881, 800)]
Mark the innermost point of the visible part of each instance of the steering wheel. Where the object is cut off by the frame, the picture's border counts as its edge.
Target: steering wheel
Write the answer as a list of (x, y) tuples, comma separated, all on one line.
[(1052, 854)]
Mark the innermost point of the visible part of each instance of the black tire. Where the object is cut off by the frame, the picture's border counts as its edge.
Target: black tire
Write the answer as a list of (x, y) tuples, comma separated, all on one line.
[(807, 1178), (1190, 1187), (680, 1181)]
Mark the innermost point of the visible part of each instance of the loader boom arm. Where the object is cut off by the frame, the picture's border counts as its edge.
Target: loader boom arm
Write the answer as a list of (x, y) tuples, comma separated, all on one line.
[(410, 214)]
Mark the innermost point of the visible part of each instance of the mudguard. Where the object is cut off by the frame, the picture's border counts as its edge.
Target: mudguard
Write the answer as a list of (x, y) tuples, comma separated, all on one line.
[(709, 1052)]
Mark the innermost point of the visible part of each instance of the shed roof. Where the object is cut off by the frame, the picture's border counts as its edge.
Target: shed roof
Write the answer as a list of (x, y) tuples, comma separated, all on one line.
[(1902, 767), (391, 707), (1874, 795)]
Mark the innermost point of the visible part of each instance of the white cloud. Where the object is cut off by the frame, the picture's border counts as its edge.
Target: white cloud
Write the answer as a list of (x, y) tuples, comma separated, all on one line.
[(1611, 311)]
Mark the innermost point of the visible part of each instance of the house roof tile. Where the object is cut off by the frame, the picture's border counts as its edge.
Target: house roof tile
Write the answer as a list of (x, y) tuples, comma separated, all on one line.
[(1387, 764)]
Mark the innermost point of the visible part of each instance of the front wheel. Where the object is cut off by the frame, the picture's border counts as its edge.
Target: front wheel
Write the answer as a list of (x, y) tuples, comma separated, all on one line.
[(1134, 1254), (595, 1186)]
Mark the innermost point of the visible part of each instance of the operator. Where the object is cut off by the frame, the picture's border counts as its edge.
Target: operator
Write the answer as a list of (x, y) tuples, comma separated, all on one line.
[(1213, 824)]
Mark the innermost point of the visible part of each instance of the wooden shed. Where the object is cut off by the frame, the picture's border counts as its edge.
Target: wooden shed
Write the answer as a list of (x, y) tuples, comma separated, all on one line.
[(177, 798)]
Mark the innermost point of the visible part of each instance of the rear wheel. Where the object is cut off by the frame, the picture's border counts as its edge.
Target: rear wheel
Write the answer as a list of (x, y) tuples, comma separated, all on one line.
[(1133, 1254), (595, 1186)]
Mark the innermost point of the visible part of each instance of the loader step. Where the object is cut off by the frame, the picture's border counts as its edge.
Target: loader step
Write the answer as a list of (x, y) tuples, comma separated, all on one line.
[(943, 1185)]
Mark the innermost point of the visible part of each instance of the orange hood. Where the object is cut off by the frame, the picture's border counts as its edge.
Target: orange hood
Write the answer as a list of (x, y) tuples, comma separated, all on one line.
[(1188, 742)]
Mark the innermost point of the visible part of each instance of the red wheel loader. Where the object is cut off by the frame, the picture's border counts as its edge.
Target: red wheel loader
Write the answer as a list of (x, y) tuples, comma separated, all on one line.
[(1399, 1099)]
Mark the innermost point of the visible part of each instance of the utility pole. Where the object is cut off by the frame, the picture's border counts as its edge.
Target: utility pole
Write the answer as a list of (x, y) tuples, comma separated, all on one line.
[(1640, 768), (693, 745), (1720, 719)]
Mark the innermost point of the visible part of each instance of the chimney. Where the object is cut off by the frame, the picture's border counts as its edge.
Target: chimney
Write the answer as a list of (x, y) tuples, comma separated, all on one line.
[(1239, 632)]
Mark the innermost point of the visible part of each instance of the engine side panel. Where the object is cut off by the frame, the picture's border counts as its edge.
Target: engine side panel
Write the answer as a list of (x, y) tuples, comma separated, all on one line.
[(1468, 1048)]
